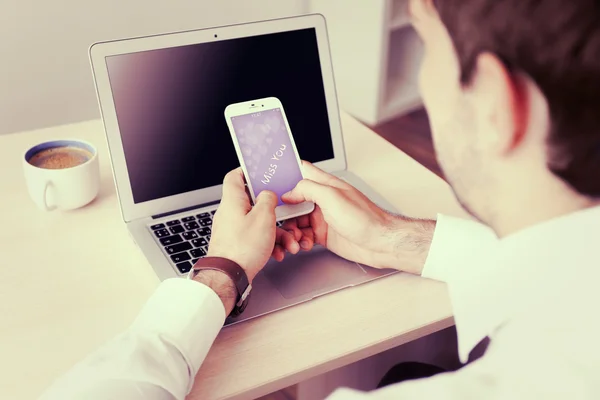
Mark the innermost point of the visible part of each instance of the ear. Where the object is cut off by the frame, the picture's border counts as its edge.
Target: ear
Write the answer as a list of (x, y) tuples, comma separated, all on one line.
[(500, 103)]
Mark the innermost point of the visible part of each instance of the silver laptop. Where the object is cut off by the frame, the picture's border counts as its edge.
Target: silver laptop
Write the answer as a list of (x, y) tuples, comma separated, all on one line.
[(162, 100)]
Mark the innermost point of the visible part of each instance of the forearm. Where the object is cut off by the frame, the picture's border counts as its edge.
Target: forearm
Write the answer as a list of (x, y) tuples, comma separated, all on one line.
[(407, 243), (159, 355), (438, 249), (221, 284)]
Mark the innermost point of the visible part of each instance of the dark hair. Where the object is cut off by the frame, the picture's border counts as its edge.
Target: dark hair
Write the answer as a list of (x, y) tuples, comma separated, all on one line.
[(557, 44)]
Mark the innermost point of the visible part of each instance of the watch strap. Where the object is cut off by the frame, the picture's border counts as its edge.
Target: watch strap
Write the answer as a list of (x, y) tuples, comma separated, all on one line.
[(233, 271)]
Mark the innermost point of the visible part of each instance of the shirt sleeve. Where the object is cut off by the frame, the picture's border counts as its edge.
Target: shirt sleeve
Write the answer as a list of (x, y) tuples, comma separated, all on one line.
[(455, 243), (158, 356)]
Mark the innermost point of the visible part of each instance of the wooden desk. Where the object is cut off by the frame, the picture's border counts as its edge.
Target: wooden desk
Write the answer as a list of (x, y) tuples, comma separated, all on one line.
[(71, 281)]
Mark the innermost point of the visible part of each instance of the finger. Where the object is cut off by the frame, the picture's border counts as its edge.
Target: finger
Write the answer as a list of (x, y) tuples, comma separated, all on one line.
[(287, 241), (279, 232), (307, 241), (266, 200), (264, 209), (307, 190), (304, 221), (234, 193), (278, 253), (290, 224), (292, 227), (309, 171)]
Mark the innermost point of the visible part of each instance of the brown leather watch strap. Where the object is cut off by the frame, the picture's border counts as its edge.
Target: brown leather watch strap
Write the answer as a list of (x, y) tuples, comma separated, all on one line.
[(232, 270)]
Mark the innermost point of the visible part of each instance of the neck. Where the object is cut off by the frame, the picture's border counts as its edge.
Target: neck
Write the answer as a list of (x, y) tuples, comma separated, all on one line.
[(524, 207)]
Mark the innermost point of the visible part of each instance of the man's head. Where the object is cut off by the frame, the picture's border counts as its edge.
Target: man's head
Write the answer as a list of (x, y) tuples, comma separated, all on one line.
[(512, 88)]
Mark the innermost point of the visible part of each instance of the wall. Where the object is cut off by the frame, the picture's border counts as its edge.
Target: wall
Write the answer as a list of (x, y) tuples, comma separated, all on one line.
[(45, 77)]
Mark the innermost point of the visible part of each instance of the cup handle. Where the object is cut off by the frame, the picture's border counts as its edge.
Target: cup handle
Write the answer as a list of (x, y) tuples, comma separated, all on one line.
[(45, 198)]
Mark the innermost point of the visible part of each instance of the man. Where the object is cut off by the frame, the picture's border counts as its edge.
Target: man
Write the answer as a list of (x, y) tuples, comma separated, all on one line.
[(513, 92)]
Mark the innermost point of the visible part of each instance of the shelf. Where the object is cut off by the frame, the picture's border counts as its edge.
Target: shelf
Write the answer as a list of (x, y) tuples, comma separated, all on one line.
[(400, 22), (402, 73), (404, 103), (399, 17)]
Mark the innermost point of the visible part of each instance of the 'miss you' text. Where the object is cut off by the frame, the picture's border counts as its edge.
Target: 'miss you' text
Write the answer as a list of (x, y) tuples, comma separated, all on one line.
[(273, 167)]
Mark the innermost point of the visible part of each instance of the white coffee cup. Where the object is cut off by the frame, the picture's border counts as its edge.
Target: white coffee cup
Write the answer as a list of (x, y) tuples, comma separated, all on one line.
[(64, 188)]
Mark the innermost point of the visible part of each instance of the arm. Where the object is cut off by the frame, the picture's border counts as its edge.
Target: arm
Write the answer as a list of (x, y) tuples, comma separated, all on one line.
[(352, 226), (409, 243), (439, 249), (159, 355)]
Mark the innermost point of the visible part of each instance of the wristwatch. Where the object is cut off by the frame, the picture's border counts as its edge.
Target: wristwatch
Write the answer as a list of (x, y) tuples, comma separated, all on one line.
[(232, 270)]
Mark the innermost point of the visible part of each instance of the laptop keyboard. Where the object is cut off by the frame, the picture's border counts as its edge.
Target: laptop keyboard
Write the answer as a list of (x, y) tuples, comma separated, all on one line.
[(185, 240)]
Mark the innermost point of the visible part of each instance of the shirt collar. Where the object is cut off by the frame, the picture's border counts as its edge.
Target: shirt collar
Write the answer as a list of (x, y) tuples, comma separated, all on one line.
[(523, 271)]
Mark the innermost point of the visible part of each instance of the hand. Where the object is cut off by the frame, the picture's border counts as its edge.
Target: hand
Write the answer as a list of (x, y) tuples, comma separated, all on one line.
[(352, 226), (243, 233)]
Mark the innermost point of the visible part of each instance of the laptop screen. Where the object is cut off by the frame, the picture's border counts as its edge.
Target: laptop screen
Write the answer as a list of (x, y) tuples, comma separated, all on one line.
[(170, 104)]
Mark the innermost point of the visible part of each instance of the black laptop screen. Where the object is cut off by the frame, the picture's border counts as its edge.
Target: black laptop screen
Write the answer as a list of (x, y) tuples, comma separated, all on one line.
[(170, 104)]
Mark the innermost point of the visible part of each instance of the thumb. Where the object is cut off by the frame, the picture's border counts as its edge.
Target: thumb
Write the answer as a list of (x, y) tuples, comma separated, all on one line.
[(307, 190), (267, 200)]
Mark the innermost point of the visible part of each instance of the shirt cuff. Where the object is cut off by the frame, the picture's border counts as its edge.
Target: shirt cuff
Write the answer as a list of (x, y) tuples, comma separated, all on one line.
[(455, 242), (186, 313)]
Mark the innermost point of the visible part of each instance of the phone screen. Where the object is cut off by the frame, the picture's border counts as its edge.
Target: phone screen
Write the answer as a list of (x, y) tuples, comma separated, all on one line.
[(266, 147)]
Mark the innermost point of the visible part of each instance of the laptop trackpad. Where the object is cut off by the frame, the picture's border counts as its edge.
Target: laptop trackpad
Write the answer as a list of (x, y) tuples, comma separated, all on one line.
[(314, 272)]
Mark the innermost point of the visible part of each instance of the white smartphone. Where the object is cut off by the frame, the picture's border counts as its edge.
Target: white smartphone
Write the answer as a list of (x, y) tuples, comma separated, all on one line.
[(265, 147)]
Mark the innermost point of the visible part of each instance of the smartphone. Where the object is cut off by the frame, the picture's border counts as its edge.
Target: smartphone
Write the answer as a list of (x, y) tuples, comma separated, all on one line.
[(265, 147)]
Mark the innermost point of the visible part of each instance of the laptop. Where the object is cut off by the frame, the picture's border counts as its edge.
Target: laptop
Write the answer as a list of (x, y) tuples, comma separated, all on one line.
[(162, 100)]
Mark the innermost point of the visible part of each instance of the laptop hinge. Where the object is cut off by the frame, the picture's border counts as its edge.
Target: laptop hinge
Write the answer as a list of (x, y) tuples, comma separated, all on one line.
[(212, 203)]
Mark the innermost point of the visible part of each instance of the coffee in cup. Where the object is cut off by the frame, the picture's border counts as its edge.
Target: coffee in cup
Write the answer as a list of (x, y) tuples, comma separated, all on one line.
[(62, 174), (60, 157)]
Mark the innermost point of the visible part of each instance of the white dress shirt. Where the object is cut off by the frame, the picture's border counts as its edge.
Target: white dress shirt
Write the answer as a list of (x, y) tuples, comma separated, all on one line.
[(535, 294)]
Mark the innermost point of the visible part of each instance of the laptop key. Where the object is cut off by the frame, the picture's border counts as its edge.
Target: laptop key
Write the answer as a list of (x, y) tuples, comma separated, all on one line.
[(161, 233), (199, 242), (167, 241), (203, 215), (184, 267), (157, 226), (191, 225), (205, 222), (208, 238), (174, 222), (188, 219), (195, 260), (176, 229), (189, 235), (199, 252), (213, 212), (180, 257), (178, 248), (204, 231)]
